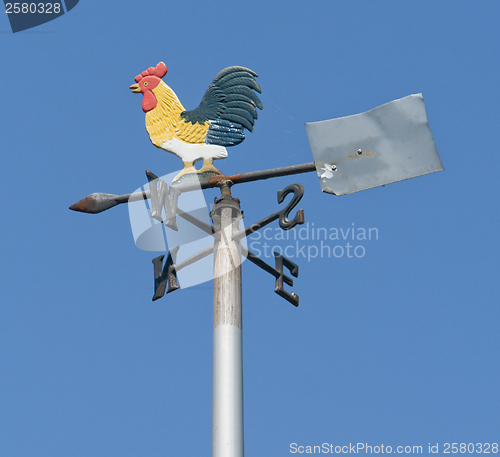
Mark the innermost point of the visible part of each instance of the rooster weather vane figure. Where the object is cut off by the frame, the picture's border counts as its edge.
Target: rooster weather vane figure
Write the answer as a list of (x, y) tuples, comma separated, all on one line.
[(226, 110)]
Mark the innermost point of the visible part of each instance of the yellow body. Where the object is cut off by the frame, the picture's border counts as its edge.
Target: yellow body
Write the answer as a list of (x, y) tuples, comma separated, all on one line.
[(164, 123)]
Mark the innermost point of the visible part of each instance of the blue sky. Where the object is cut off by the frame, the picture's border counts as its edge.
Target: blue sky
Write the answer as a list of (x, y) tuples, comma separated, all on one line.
[(399, 347)]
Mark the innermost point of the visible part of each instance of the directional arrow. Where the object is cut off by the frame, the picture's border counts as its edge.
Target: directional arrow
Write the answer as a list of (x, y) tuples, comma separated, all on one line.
[(97, 202)]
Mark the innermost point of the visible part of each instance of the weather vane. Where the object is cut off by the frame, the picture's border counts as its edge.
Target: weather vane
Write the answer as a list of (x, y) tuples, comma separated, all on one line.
[(386, 144)]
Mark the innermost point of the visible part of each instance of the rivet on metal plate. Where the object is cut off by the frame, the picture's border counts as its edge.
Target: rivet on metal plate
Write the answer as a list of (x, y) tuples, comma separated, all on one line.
[(328, 171)]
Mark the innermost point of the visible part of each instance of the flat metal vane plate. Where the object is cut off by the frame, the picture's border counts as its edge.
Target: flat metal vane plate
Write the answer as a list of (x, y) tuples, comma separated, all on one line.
[(386, 144)]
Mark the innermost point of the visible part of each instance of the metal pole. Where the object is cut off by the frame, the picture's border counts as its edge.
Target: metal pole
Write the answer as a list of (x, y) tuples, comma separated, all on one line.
[(227, 420)]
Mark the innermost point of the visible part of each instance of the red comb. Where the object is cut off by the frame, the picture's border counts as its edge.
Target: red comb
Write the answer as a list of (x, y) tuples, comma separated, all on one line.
[(160, 71)]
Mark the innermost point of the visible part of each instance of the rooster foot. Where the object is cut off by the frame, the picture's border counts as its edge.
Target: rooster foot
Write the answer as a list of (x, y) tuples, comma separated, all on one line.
[(208, 168), (189, 173), (186, 171)]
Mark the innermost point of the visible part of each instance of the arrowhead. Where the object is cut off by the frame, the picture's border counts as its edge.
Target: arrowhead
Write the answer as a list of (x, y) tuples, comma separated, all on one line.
[(95, 203)]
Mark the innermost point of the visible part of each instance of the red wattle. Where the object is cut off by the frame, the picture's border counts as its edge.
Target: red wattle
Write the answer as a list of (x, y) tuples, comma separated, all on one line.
[(148, 101)]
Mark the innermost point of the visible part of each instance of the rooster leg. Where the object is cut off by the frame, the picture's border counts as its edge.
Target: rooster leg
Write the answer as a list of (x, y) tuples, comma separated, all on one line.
[(208, 166), (188, 169)]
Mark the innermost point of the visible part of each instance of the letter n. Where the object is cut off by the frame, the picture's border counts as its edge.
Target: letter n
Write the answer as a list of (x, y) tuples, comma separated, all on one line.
[(167, 276)]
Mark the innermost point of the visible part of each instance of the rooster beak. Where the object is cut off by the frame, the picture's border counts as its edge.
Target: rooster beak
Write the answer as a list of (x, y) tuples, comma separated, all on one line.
[(135, 88)]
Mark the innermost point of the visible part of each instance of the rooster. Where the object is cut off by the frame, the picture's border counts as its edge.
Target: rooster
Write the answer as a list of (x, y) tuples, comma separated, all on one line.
[(226, 110)]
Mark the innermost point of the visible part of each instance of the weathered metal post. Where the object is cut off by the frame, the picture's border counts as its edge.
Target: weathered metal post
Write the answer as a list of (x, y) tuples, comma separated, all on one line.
[(227, 419)]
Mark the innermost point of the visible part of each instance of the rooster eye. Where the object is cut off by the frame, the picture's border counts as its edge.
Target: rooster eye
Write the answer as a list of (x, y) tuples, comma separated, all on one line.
[(146, 83)]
